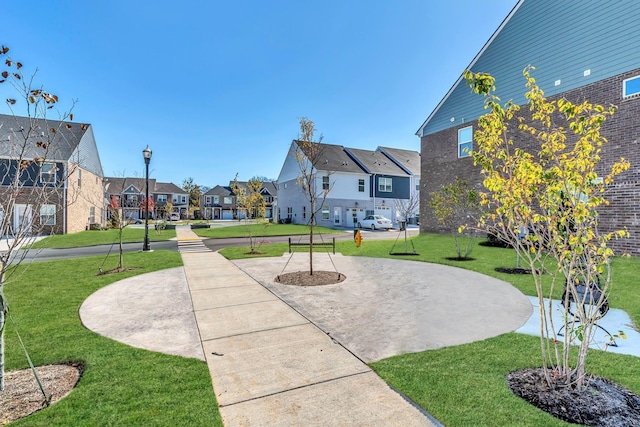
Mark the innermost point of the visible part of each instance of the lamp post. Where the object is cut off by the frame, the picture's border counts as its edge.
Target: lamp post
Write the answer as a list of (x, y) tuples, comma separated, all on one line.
[(146, 153)]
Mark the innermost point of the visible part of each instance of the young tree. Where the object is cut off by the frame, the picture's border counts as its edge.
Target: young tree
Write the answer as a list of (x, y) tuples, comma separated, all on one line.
[(250, 205), (553, 190), (120, 213), (457, 207), (193, 189), (168, 209), (29, 158), (406, 208), (308, 154), (146, 206)]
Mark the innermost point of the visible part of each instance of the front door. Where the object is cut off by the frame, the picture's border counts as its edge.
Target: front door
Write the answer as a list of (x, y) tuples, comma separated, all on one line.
[(337, 215), (22, 219)]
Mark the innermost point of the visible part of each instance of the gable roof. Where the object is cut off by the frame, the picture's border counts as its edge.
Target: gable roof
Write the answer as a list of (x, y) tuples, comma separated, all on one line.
[(219, 190), (408, 160), (167, 188), (271, 187), (267, 186), (375, 162), (334, 158), (571, 44), (71, 142), (116, 185)]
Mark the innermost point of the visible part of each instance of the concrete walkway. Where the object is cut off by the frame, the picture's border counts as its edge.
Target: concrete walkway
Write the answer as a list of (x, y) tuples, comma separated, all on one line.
[(270, 366), (300, 362)]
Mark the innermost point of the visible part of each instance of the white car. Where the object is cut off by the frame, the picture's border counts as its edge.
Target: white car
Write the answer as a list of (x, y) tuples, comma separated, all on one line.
[(375, 222), (174, 217)]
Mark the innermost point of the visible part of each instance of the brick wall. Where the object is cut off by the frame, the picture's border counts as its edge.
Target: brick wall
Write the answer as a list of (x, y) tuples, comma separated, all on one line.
[(80, 199), (441, 165)]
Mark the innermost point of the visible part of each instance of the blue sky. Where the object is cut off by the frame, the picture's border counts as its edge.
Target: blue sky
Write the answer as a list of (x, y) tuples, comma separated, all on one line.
[(217, 88)]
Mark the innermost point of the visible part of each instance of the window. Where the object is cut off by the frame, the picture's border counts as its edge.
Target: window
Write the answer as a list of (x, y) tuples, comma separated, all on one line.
[(207, 200), (325, 213), (465, 141), (325, 182), (631, 87), (79, 178), (289, 212), (216, 199), (417, 184), (304, 212), (162, 198), (361, 185), (48, 215), (48, 173), (92, 215), (228, 200), (384, 185)]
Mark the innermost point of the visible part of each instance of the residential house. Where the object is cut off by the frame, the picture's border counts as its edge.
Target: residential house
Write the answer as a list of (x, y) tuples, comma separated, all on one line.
[(357, 183), (54, 173), (269, 191), (586, 50), (129, 193), (218, 203), (165, 191)]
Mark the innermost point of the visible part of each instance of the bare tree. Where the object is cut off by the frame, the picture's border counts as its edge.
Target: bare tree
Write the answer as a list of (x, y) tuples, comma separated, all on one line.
[(34, 173), (308, 154), (406, 208)]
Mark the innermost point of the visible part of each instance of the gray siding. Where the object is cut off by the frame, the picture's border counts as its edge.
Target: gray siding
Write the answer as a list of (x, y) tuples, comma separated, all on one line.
[(561, 39)]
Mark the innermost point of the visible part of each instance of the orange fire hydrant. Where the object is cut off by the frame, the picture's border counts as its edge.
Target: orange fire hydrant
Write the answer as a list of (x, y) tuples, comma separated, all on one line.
[(358, 238)]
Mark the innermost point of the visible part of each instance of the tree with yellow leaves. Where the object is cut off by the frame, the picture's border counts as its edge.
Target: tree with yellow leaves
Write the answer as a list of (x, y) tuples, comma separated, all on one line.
[(550, 191)]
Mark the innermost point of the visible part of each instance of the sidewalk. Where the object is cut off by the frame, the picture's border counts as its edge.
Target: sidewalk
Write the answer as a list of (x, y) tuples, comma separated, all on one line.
[(270, 366)]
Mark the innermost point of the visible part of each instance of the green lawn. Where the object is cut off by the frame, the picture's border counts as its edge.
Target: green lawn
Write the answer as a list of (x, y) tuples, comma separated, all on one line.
[(465, 385), (461, 386), (102, 237), (122, 385), (260, 230)]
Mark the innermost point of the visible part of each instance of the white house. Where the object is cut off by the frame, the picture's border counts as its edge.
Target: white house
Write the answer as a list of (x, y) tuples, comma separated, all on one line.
[(357, 183)]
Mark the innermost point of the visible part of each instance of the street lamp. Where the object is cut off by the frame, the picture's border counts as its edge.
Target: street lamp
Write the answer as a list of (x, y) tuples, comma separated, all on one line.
[(146, 153)]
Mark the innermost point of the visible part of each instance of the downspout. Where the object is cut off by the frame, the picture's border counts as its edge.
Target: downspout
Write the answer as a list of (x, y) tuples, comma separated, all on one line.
[(373, 189), (64, 200)]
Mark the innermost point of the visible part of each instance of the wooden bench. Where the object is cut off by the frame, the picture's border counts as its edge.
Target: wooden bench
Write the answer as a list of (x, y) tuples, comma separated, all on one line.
[(332, 245)]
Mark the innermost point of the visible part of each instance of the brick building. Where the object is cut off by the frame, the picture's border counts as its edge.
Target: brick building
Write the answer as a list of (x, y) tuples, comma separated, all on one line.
[(587, 50), (50, 177)]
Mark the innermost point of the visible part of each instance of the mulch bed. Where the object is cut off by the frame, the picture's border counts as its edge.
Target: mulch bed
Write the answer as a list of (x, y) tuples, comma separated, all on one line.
[(601, 403), (22, 395), (303, 278), (517, 270)]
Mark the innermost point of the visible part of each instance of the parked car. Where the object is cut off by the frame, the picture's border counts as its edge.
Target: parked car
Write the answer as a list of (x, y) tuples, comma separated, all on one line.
[(375, 222), (174, 217)]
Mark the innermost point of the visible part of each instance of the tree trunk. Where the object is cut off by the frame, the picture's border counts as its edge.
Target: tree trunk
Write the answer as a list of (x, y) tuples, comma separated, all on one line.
[(311, 247), (120, 250), (3, 309)]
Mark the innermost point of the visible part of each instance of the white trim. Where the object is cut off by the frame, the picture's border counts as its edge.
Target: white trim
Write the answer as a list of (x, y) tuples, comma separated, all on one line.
[(624, 87), (470, 66), (460, 156)]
